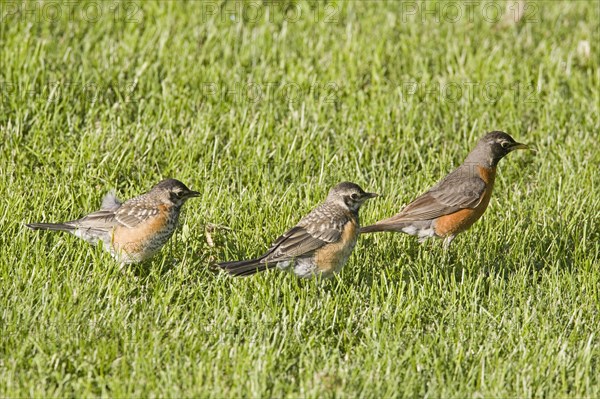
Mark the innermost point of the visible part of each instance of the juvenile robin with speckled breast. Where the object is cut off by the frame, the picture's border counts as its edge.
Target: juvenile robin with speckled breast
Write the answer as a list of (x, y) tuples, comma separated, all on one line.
[(320, 244), (459, 199), (132, 231)]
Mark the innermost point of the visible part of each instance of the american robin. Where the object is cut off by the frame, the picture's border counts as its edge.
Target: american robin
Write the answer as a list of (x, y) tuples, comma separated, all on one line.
[(134, 230), (459, 199), (320, 244)]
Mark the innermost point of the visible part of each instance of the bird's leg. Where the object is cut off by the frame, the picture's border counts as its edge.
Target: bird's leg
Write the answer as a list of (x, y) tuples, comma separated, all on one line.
[(447, 241)]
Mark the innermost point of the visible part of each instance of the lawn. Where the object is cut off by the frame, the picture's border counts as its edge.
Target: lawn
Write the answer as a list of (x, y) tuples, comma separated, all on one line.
[(262, 107)]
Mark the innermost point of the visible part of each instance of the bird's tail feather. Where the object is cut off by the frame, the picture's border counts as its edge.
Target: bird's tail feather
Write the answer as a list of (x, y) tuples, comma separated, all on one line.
[(374, 228), (244, 267), (50, 226)]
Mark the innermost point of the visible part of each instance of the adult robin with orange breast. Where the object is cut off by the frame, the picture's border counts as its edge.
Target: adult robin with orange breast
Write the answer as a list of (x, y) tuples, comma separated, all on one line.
[(320, 244), (132, 231), (459, 199)]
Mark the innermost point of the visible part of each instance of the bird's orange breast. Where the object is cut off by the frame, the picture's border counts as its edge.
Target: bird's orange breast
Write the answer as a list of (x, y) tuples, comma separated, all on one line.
[(331, 257), (460, 221), (139, 240)]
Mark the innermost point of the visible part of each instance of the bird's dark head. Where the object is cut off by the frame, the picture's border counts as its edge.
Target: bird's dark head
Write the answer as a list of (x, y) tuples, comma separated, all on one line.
[(349, 195), (174, 192), (492, 147)]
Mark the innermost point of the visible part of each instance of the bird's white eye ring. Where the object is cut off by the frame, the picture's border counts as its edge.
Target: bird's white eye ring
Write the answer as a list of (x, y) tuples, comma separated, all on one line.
[(505, 144), (354, 196)]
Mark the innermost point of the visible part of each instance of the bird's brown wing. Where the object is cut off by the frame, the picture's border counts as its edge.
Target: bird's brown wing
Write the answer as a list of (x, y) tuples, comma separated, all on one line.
[(450, 195), (102, 220), (311, 233), (132, 213)]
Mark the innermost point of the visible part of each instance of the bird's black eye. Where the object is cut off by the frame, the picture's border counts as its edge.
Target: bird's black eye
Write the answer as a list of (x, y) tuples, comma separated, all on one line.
[(354, 196), (176, 194), (505, 144)]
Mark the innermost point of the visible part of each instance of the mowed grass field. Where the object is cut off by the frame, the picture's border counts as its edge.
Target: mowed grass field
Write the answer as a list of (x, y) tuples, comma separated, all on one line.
[(262, 107)]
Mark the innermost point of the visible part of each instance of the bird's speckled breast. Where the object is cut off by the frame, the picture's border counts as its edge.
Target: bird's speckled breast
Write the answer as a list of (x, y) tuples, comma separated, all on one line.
[(332, 257), (130, 245)]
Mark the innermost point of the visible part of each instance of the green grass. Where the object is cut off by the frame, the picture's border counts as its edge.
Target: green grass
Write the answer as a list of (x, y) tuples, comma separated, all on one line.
[(512, 310)]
